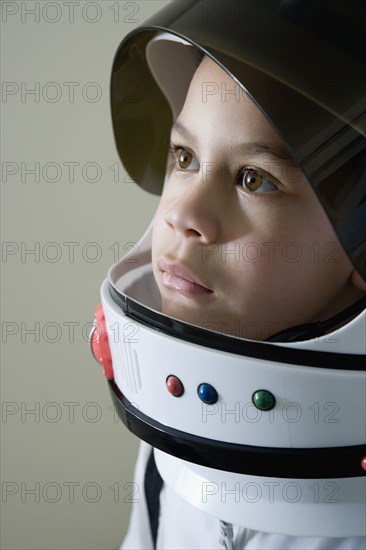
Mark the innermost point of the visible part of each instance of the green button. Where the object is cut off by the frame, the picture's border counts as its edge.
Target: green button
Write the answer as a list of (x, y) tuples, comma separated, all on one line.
[(263, 400)]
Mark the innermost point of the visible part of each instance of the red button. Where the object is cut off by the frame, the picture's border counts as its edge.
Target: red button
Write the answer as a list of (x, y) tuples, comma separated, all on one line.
[(363, 463), (174, 386), (99, 343)]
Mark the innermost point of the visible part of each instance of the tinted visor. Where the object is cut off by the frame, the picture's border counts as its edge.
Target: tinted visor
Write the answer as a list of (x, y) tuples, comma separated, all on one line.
[(300, 62)]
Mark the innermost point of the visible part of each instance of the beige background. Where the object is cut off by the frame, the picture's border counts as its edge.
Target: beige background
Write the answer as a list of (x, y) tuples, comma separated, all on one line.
[(72, 443)]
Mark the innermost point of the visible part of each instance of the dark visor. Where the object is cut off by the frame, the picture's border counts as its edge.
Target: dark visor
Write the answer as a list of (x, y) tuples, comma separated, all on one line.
[(301, 64)]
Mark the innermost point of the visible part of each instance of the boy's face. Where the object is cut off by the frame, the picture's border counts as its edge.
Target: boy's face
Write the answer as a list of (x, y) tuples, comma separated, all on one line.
[(245, 222)]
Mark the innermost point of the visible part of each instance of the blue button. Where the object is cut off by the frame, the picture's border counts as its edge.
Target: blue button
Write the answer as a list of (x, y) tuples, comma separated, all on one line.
[(207, 394)]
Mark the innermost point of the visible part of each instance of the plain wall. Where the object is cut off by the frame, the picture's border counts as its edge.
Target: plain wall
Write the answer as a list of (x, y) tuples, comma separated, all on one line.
[(67, 466)]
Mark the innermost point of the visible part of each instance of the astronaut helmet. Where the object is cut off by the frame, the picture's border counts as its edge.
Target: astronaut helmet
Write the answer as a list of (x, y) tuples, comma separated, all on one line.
[(264, 430)]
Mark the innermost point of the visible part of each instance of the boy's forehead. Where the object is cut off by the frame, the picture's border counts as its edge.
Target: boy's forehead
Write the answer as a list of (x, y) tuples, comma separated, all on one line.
[(215, 97), (209, 72)]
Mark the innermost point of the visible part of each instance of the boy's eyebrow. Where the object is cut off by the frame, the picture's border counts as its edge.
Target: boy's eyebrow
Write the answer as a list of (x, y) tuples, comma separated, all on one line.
[(252, 147)]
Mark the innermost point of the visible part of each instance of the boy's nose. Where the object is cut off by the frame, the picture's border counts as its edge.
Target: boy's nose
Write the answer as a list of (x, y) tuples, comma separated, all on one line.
[(198, 212)]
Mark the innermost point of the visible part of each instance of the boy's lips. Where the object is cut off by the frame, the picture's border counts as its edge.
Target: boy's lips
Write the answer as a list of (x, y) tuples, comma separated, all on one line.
[(180, 278)]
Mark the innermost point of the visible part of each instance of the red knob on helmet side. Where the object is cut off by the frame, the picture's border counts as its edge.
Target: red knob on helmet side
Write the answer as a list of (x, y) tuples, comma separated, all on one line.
[(99, 343)]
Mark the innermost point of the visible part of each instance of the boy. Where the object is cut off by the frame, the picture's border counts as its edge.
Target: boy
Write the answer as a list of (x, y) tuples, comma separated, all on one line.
[(250, 196), (232, 251)]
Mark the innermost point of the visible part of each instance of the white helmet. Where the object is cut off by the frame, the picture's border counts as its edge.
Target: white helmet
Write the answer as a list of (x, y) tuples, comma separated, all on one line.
[(271, 434)]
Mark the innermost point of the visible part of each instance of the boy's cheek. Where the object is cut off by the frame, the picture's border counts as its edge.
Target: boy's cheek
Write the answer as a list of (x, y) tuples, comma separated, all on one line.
[(157, 233)]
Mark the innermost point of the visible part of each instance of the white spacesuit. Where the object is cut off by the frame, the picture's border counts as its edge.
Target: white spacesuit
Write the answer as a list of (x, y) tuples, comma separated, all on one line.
[(247, 443)]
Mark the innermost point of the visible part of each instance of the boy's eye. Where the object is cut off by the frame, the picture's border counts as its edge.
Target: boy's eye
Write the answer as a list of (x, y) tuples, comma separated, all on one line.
[(184, 158), (254, 182)]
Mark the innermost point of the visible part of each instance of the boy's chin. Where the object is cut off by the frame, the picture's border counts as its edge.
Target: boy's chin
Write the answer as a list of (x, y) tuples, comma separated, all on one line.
[(240, 328)]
